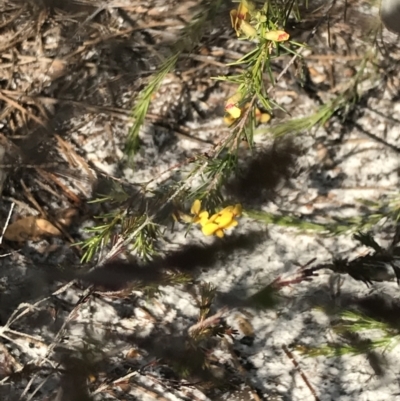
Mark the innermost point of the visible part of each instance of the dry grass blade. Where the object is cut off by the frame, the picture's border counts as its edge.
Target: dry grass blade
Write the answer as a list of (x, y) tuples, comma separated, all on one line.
[(116, 112), (67, 191), (23, 110), (17, 38), (7, 222), (73, 158)]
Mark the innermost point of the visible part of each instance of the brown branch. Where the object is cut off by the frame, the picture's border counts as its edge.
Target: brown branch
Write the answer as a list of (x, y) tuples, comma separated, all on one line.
[(298, 368)]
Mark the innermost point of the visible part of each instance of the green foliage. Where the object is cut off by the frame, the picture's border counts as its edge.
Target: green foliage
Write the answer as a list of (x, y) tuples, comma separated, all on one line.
[(207, 294), (139, 112), (386, 338), (189, 39), (101, 235), (343, 103)]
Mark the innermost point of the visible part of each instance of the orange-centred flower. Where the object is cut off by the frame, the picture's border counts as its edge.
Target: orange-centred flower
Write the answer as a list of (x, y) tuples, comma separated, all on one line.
[(277, 36), (240, 19)]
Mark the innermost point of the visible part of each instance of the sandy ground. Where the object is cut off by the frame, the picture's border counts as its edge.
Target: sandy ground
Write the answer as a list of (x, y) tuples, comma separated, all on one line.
[(62, 342)]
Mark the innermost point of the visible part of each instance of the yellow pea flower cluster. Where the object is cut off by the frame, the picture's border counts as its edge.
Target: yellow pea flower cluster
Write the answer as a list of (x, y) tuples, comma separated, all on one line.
[(234, 111), (251, 23), (218, 222), (246, 21)]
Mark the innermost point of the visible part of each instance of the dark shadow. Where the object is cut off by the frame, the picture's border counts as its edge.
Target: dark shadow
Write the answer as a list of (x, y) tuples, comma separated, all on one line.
[(259, 179)]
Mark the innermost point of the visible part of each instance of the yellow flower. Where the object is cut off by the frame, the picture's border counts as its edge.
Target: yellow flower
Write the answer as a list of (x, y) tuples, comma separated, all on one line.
[(261, 118), (218, 222), (221, 221), (239, 15), (231, 105), (229, 120), (200, 216), (248, 30), (240, 19)]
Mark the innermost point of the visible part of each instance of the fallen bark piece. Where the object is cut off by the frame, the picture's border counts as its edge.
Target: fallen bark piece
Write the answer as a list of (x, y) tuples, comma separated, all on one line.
[(30, 228)]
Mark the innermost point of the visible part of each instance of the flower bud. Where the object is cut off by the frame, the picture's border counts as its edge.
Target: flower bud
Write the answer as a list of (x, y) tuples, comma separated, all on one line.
[(231, 105), (277, 36)]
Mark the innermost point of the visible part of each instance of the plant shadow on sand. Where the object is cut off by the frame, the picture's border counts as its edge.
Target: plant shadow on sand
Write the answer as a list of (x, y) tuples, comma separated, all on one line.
[(260, 177)]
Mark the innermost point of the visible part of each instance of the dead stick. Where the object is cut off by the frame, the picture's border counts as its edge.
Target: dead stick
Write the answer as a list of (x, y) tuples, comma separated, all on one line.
[(303, 376)]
